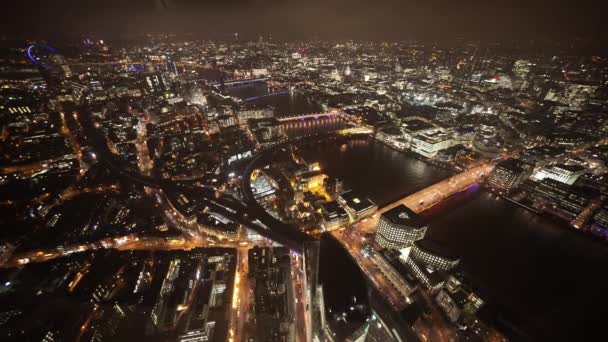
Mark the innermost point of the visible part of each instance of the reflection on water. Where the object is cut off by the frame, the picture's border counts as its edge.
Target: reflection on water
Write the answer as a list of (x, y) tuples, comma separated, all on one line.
[(544, 277), (534, 269), (285, 104), (299, 128), (380, 172), (539, 273)]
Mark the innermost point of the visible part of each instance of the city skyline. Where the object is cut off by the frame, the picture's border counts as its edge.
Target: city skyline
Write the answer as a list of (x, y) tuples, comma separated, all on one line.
[(242, 171), (539, 20)]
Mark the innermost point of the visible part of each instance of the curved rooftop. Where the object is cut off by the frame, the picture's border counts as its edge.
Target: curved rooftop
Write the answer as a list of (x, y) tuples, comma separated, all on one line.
[(435, 248), (404, 216)]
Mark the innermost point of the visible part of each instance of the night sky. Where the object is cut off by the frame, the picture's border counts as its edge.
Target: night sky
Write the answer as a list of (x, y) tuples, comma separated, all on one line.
[(294, 19)]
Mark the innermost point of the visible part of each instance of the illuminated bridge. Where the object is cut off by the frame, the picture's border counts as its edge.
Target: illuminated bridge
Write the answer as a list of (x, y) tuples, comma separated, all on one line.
[(313, 116), (266, 95), (240, 82), (436, 193)]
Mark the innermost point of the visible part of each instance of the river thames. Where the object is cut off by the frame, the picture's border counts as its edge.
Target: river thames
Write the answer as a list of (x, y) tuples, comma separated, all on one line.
[(538, 274), (539, 278)]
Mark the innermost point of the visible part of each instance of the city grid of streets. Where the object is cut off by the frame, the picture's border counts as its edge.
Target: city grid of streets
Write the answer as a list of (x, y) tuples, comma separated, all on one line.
[(153, 151)]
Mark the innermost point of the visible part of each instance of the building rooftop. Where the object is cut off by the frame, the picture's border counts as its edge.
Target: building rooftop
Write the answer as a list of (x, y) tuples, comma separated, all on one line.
[(570, 168), (511, 164), (392, 130), (433, 137), (416, 125), (403, 215), (356, 200), (435, 248)]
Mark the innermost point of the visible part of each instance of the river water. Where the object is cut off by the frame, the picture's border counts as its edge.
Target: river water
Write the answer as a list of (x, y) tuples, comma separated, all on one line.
[(541, 280)]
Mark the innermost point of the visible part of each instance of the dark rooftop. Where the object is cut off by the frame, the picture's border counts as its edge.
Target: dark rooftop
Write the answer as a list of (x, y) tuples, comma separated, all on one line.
[(416, 125), (356, 200), (571, 168), (403, 215), (433, 247)]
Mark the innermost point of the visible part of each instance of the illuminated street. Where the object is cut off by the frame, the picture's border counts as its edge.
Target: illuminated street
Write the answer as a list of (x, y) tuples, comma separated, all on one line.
[(204, 171), (302, 322), (241, 299)]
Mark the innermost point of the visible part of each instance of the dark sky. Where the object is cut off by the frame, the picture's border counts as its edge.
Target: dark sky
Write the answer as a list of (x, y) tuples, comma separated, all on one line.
[(378, 19)]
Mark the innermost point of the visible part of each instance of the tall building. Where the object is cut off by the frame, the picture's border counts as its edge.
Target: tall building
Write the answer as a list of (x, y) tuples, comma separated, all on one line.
[(432, 255), (521, 68), (275, 303), (398, 68), (155, 83), (347, 71), (172, 68), (399, 228)]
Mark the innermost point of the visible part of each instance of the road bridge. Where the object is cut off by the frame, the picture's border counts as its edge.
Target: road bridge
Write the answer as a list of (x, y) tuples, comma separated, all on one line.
[(253, 98), (240, 82), (308, 116), (438, 192)]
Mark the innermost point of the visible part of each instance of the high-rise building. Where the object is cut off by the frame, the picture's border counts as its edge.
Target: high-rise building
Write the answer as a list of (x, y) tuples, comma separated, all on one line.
[(432, 255), (347, 71), (399, 228), (172, 68), (155, 83)]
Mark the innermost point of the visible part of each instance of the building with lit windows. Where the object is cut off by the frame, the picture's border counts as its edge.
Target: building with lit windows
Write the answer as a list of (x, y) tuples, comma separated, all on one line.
[(599, 222), (428, 144), (567, 174), (429, 278), (413, 126), (155, 84), (507, 175), (393, 137), (333, 216), (549, 190), (357, 206), (198, 335), (432, 255), (399, 228), (250, 111), (573, 204), (456, 299)]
